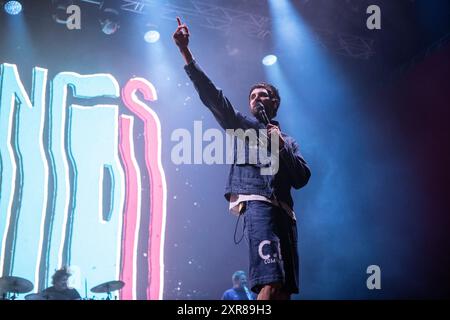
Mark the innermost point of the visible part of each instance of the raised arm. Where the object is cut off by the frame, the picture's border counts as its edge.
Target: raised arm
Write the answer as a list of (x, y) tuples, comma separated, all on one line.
[(211, 96), (181, 38)]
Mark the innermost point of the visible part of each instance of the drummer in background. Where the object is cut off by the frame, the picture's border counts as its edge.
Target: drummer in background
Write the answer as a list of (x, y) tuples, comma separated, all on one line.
[(60, 286)]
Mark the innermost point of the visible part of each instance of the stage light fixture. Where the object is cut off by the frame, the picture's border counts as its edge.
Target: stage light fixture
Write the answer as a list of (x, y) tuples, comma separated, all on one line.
[(269, 60), (109, 21), (151, 36), (13, 7), (59, 10)]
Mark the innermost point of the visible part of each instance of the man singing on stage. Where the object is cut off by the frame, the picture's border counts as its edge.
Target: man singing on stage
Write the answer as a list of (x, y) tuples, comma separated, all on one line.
[(264, 200), (239, 291)]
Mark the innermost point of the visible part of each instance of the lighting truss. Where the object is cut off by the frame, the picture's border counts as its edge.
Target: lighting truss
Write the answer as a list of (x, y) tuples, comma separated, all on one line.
[(223, 19)]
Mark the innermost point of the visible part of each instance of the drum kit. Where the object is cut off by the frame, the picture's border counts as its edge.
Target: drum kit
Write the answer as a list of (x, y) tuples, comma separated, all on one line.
[(11, 287)]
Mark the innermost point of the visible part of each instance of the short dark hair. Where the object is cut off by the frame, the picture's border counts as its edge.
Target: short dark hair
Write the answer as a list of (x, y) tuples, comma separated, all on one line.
[(59, 274), (237, 275), (271, 89)]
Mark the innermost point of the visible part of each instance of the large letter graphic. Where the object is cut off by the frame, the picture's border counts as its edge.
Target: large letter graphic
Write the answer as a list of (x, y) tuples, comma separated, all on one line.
[(158, 189), (132, 210), (23, 173), (83, 233)]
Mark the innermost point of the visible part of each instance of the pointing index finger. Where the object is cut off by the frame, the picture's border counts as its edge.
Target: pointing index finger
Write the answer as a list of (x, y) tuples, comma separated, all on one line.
[(179, 21)]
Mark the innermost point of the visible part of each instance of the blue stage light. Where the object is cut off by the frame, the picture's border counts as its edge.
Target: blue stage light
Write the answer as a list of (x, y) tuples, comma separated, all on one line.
[(269, 60), (13, 7), (152, 36)]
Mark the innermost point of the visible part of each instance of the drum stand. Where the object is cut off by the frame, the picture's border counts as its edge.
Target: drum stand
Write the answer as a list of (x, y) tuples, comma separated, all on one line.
[(13, 297)]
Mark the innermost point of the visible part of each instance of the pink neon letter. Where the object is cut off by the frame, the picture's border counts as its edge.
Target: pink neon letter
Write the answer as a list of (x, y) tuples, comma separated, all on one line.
[(157, 192)]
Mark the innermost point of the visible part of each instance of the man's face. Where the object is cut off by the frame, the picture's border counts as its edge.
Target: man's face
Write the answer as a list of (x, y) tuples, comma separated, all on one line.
[(61, 283), (242, 281), (261, 95)]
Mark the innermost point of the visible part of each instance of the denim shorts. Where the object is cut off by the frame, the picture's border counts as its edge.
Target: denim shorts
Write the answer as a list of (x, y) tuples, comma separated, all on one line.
[(272, 238)]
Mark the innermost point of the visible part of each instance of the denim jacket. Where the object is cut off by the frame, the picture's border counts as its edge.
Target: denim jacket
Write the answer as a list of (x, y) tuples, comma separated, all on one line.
[(246, 178)]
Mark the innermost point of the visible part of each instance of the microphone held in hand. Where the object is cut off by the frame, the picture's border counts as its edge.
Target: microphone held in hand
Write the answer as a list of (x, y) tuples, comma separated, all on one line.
[(262, 113), (247, 292)]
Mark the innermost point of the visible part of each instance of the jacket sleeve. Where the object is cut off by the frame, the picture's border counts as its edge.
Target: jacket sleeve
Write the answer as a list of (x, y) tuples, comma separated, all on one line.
[(297, 167), (213, 98)]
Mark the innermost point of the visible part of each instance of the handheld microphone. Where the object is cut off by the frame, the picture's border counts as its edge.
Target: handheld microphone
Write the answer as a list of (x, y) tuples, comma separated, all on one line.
[(262, 113), (247, 292)]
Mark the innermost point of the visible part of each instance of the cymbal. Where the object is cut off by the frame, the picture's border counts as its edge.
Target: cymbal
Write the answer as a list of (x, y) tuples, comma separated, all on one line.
[(15, 284), (108, 286)]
